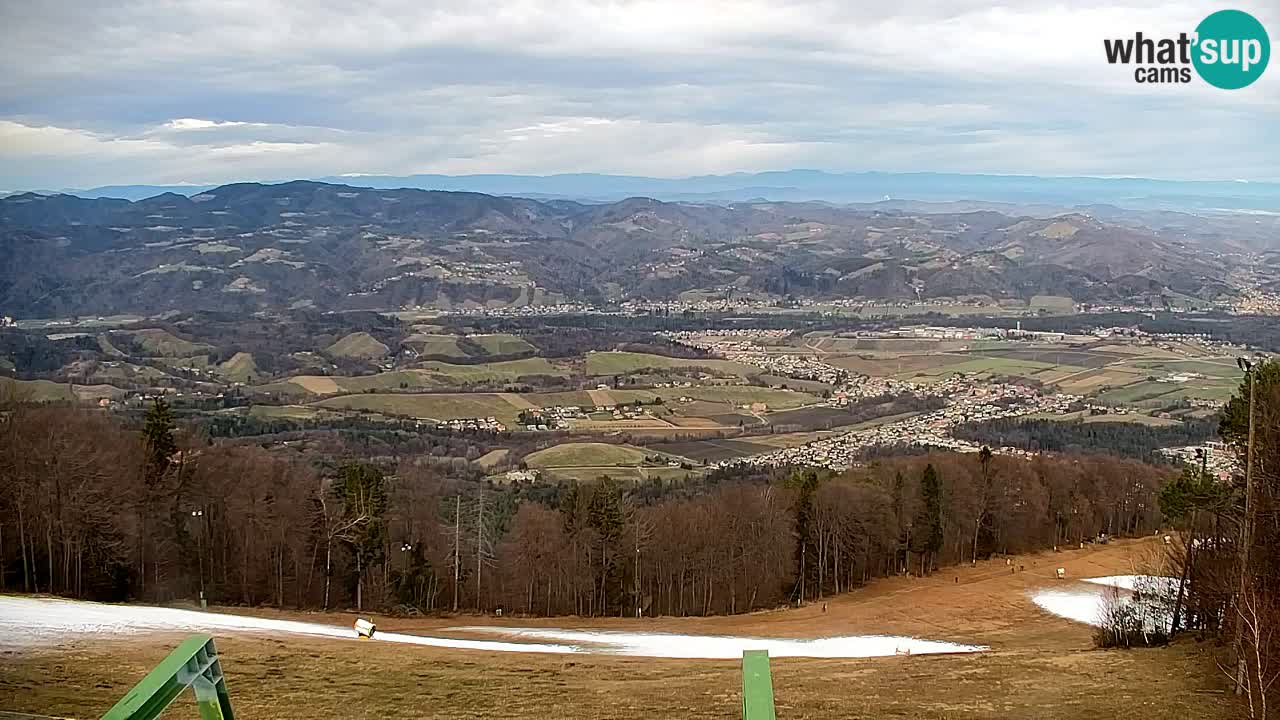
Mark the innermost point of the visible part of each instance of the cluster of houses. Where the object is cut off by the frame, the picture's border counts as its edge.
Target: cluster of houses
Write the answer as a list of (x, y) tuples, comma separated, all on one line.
[(1257, 302), (550, 418), (1217, 459), (489, 424), (966, 403), (524, 310)]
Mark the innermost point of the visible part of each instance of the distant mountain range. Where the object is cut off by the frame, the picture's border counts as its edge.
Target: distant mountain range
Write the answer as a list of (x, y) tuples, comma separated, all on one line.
[(814, 185), (250, 247)]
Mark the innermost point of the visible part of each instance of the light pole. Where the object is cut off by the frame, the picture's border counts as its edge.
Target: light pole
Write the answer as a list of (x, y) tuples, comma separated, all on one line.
[(1246, 527), (199, 516)]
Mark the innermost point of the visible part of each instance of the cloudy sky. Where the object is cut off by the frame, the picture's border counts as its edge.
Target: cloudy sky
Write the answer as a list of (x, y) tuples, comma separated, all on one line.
[(96, 92)]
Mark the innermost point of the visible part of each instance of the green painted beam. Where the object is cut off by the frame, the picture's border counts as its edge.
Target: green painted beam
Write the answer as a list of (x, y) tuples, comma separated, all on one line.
[(757, 686), (194, 663)]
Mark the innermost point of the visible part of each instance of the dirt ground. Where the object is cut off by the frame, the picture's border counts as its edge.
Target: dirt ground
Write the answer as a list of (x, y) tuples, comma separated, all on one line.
[(1039, 667)]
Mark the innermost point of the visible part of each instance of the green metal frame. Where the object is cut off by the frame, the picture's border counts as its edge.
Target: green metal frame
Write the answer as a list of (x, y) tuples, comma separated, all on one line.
[(194, 663), (757, 686)]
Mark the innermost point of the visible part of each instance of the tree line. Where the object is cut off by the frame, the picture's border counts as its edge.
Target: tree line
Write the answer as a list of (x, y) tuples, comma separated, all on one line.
[(94, 509), (1135, 440), (1229, 558)]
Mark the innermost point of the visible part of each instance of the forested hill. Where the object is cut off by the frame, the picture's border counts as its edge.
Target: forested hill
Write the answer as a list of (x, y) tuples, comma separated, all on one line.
[(250, 247)]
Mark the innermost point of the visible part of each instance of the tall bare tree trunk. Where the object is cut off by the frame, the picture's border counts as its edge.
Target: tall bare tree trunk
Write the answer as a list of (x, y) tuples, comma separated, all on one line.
[(479, 547), (22, 541), (457, 544), (328, 570), (359, 581)]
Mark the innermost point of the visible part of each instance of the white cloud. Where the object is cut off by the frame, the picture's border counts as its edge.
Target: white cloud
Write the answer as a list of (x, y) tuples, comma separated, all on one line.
[(152, 91), (198, 124)]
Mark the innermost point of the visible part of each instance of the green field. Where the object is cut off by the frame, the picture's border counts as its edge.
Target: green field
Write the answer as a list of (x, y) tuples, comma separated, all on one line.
[(502, 344), (128, 372), (449, 374), (435, 345), (161, 343), (1137, 392), (47, 391), (1055, 304), (993, 366), (493, 458), (588, 454), (358, 346), (432, 406), (286, 412), (1210, 369), (240, 368), (622, 363), (563, 399), (431, 375)]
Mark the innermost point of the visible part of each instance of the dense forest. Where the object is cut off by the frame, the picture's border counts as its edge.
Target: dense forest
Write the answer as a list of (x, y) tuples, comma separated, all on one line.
[(1128, 439), (94, 509)]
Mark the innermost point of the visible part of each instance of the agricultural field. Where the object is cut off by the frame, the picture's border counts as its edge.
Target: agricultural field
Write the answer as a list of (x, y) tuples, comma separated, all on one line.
[(161, 343), (47, 391), (428, 406), (623, 363), (435, 345), (837, 344), (118, 371), (502, 344), (1109, 371), (445, 374), (240, 368), (430, 375), (587, 454), (289, 412), (358, 346), (493, 458)]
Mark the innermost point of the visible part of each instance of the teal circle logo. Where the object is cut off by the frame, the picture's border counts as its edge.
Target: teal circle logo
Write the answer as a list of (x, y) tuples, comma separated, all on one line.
[(1232, 49)]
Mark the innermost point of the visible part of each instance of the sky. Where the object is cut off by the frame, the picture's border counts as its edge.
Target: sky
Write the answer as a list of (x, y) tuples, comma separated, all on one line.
[(98, 92)]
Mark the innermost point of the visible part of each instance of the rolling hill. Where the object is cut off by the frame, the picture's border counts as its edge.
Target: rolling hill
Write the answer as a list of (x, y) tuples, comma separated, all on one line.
[(248, 247)]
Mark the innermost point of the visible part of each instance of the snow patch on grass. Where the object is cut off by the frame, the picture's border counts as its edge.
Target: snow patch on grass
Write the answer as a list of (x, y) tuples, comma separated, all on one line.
[(37, 621)]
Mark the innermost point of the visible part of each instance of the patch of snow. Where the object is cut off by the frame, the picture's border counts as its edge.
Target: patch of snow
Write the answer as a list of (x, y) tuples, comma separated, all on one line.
[(26, 622), (33, 622), (1083, 607), (1152, 598), (724, 647), (1145, 583)]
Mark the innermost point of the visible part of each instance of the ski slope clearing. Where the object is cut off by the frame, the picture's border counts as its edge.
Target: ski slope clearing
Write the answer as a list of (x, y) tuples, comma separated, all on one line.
[(31, 621)]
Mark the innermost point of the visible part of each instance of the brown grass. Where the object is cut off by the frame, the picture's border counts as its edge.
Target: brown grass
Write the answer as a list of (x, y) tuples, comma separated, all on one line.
[(1040, 667)]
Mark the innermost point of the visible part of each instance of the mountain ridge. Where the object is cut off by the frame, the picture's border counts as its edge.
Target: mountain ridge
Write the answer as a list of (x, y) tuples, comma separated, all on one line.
[(249, 247), (814, 185)]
